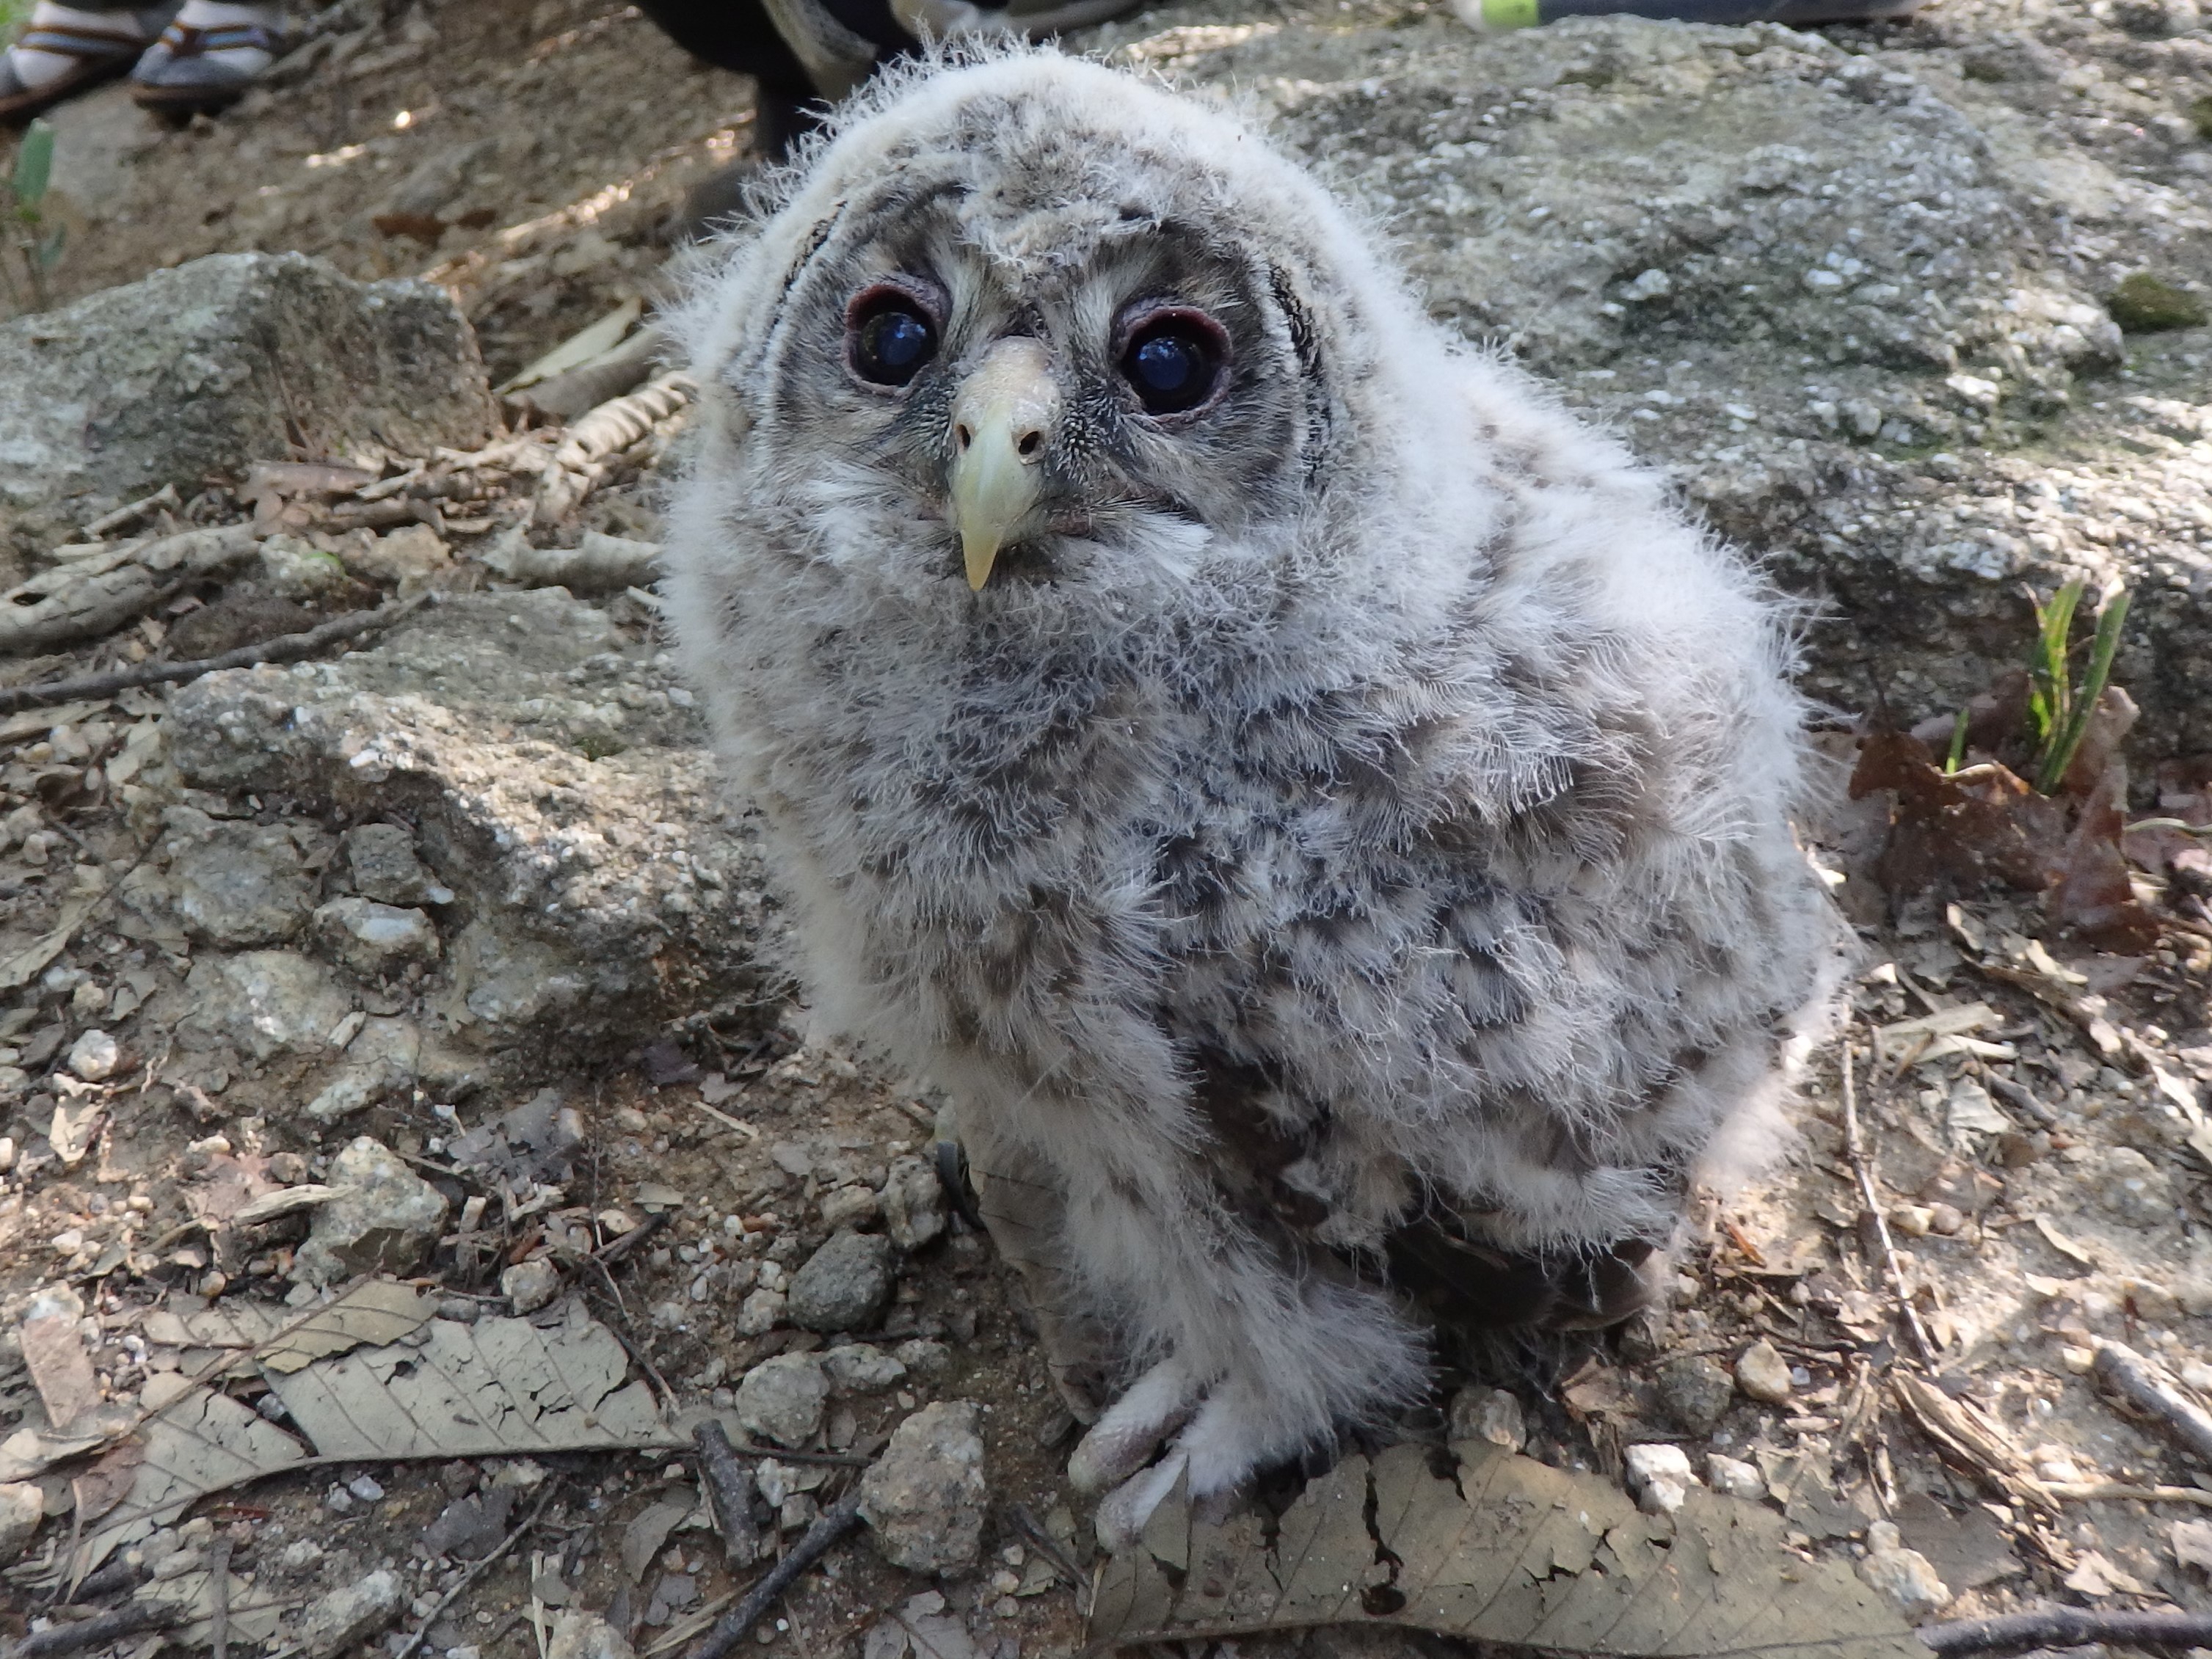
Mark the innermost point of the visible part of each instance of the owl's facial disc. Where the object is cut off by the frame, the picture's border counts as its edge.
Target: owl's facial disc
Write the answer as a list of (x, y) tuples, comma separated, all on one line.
[(1004, 419)]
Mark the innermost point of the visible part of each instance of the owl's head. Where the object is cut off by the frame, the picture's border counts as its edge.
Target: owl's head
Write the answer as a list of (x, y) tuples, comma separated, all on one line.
[(1031, 321)]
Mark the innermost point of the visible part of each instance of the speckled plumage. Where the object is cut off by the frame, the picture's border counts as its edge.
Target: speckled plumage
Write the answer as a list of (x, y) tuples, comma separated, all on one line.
[(1340, 870)]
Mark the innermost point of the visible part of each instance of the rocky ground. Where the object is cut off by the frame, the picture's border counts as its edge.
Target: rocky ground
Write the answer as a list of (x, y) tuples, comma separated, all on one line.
[(449, 940)]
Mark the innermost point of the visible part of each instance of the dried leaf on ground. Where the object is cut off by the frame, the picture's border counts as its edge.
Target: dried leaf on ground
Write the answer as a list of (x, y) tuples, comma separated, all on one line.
[(61, 1371), (1500, 1549), (1972, 1436), (1968, 827), (201, 1444), (499, 1387), (2092, 893), (254, 1612), (647, 1533), (107, 1482), (375, 1312), (922, 1628)]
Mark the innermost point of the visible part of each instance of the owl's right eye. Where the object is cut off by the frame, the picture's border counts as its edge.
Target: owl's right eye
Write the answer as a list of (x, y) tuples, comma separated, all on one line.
[(889, 336)]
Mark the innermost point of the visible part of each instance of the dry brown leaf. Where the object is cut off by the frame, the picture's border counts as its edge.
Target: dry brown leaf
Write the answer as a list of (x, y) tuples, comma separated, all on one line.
[(254, 1612), (923, 1628), (376, 1311), (2092, 893), (1500, 1549), (647, 1533), (499, 1387), (201, 1444), (61, 1371), (107, 1482)]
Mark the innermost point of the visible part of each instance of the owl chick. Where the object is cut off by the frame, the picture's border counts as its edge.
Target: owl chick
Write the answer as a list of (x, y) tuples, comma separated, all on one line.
[(1316, 809)]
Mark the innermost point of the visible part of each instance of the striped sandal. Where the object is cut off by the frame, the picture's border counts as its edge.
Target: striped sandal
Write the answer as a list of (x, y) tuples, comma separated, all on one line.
[(206, 59), (65, 50)]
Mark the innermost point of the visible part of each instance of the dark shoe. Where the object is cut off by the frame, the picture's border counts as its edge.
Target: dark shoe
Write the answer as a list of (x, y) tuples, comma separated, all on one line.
[(97, 55), (191, 71)]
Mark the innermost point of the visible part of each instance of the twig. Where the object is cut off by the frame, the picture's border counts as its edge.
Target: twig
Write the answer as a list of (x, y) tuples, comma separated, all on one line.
[(284, 648), (99, 1630), (1053, 1550), (414, 1642), (614, 1249), (2099, 1490), (2068, 1627), (832, 1524), (2138, 1383), (130, 511), (729, 1490), (219, 1594), (1863, 1173)]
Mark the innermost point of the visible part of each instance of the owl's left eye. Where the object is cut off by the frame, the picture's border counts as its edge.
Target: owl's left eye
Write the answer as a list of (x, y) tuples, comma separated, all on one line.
[(889, 336), (1173, 359)]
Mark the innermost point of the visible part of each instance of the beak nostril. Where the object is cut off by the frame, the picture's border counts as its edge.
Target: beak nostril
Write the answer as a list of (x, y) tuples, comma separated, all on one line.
[(1029, 441), (962, 436)]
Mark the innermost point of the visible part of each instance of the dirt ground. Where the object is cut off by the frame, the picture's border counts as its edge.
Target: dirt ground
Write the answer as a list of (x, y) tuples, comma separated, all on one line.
[(2045, 1178)]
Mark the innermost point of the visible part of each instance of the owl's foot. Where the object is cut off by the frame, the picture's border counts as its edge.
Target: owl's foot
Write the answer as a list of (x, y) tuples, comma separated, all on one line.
[(1222, 1434)]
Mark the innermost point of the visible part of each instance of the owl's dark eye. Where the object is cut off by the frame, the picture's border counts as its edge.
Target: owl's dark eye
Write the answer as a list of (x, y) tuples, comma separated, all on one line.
[(889, 336), (1174, 360)]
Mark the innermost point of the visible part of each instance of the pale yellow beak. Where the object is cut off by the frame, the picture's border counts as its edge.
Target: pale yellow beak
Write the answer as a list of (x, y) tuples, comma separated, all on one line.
[(1002, 424)]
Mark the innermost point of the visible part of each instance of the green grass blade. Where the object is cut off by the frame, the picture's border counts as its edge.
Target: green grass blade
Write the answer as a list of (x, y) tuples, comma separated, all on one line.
[(1958, 744), (2103, 649), (34, 166)]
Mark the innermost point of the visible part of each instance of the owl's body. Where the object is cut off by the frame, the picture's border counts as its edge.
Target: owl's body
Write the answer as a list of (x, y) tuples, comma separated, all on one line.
[(1335, 855)]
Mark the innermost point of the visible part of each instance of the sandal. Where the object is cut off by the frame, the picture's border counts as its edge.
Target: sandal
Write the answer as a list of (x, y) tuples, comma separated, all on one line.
[(96, 55), (186, 72)]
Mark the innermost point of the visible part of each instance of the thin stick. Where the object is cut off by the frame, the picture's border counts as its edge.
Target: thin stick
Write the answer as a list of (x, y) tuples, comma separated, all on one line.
[(99, 1630), (1861, 1172), (832, 1524), (284, 648), (219, 1591), (2114, 1490), (2137, 1382), (729, 1490), (2068, 1627), (414, 1642)]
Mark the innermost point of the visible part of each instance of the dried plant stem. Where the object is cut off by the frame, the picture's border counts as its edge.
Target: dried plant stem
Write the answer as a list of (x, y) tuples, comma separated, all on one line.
[(414, 1642), (284, 648), (2068, 1627), (832, 1524), (2138, 1385), (1863, 1173)]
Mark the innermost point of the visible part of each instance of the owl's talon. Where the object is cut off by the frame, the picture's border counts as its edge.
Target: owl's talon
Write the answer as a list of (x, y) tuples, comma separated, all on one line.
[(1123, 1512), (1123, 1441)]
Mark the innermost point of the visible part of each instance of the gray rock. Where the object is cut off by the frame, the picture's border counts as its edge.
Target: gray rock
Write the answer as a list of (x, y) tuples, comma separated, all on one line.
[(236, 885), (1906, 1579), (266, 1002), (579, 1635), (913, 1203), (924, 1498), (858, 1368), (1696, 1392), (22, 1506), (376, 940), (94, 1056), (1660, 1476), (1839, 292), (781, 1399), (380, 864), (529, 1286), (844, 1286), (923, 1357), (558, 777), (214, 365), (1734, 1477), (385, 1218), (1490, 1414), (384, 1058), (345, 1619)]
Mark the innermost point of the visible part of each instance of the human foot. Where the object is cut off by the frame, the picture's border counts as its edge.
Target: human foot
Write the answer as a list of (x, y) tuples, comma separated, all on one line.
[(208, 56), (66, 50)]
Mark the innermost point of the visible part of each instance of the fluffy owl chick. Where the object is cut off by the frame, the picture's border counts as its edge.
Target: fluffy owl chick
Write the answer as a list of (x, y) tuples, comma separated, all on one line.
[(1317, 809)]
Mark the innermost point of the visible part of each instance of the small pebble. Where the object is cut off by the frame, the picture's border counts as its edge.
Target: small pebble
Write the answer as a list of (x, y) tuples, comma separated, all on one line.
[(365, 1489), (1762, 1374)]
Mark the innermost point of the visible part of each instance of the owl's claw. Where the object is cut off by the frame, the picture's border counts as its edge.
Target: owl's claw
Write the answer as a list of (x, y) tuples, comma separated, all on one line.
[(1123, 1442), (1124, 1510)]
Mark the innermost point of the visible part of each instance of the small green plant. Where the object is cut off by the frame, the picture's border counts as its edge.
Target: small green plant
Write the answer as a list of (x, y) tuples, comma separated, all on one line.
[(36, 243), (2057, 707)]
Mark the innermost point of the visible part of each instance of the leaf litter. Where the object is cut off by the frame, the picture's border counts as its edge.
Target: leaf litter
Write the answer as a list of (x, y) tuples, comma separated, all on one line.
[(370, 1377), (1485, 1543)]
